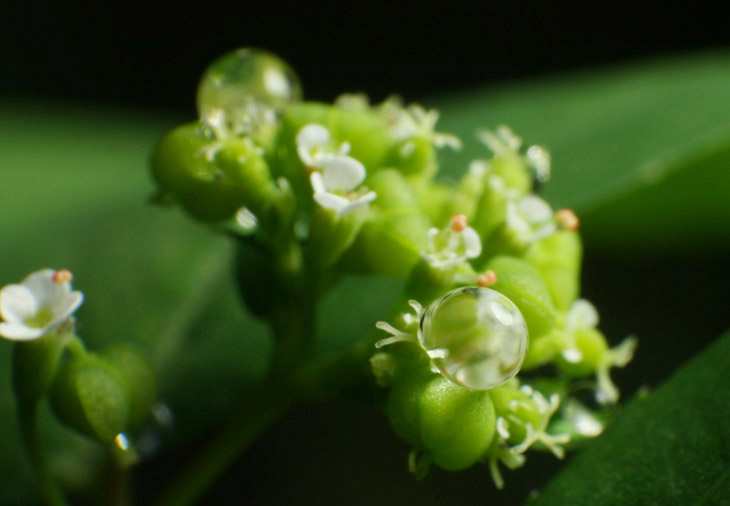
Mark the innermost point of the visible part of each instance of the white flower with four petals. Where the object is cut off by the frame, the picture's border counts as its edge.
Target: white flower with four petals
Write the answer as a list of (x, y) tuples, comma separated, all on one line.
[(335, 176), (40, 304)]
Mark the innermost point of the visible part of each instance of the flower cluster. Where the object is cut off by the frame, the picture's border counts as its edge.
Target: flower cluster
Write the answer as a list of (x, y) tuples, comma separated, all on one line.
[(490, 271)]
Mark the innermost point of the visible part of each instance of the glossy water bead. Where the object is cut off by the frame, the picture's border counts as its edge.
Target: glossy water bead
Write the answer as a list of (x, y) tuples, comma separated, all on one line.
[(244, 82), (476, 336)]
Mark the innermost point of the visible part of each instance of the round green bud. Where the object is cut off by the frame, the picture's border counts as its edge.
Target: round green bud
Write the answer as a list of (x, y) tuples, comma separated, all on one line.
[(413, 157), (391, 240), (585, 357), (404, 400), (138, 378), (367, 134), (181, 168), (558, 258), (457, 424), (89, 395), (513, 170), (523, 285)]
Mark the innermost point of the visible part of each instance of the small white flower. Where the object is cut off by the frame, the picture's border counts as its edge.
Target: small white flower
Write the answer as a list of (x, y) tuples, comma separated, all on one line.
[(453, 245), (416, 121), (335, 176), (504, 142), (530, 218), (39, 305)]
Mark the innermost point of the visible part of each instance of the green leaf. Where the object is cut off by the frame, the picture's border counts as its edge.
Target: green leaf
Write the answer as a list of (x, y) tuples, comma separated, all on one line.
[(640, 151), (670, 447)]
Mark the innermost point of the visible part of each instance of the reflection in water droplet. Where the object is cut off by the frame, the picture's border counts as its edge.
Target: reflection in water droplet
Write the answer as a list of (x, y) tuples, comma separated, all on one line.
[(482, 333), (245, 88), (122, 441)]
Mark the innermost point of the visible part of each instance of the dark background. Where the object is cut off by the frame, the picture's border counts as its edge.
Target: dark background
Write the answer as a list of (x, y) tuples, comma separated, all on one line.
[(151, 56)]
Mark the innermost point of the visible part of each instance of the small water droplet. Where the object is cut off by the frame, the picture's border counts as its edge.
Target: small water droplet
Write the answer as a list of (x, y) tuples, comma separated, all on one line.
[(483, 333), (244, 88)]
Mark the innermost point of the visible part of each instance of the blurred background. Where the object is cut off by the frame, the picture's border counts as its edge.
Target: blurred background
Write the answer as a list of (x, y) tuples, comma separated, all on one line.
[(146, 54), (124, 56)]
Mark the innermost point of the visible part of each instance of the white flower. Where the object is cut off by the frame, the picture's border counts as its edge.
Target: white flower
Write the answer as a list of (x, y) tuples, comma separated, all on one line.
[(504, 142), (530, 218), (39, 305), (335, 176), (416, 121), (453, 245)]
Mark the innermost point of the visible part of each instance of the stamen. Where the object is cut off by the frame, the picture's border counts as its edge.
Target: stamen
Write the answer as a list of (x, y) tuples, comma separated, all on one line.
[(62, 276), (489, 278), (458, 222), (566, 219)]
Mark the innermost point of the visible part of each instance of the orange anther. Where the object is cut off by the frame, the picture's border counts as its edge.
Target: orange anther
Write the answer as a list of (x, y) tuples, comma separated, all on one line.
[(489, 278), (458, 222), (567, 220), (62, 276)]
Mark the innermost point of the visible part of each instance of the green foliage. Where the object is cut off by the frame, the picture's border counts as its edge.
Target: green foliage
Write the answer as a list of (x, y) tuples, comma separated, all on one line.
[(668, 447)]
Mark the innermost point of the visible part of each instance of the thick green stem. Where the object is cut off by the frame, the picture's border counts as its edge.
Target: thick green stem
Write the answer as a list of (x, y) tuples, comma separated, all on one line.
[(27, 417)]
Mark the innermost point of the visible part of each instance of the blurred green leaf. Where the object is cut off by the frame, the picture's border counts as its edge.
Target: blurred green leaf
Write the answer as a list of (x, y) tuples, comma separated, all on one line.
[(640, 151), (670, 447)]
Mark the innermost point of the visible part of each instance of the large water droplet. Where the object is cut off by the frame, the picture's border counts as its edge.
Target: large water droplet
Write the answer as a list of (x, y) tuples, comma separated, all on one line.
[(243, 88), (477, 336)]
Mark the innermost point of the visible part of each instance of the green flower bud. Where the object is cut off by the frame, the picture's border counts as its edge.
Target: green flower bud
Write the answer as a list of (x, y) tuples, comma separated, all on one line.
[(211, 179), (367, 134), (413, 157), (558, 258), (404, 400), (393, 237), (138, 378), (434, 199), (518, 408), (89, 395), (586, 355), (523, 285), (330, 234), (513, 170), (545, 348), (457, 424)]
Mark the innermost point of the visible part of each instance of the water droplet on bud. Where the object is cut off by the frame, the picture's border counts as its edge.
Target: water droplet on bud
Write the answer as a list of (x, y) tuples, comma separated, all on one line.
[(243, 88), (476, 336)]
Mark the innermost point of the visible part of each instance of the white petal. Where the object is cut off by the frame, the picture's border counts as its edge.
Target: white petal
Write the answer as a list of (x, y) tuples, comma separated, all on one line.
[(472, 242), (354, 204), (19, 332), (17, 303), (317, 182), (534, 209), (44, 290), (341, 172), (582, 315), (67, 307), (305, 156), (313, 135), (331, 201), (431, 235)]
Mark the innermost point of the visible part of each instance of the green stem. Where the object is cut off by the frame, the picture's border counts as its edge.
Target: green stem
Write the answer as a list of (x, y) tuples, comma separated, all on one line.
[(27, 417), (265, 407)]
